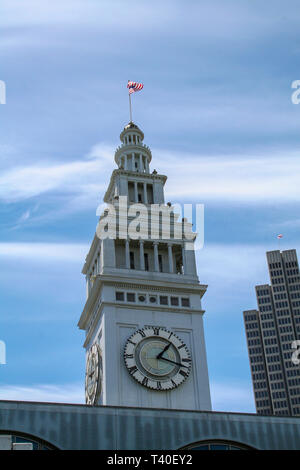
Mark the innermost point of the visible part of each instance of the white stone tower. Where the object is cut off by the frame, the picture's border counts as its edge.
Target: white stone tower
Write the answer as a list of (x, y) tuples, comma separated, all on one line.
[(143, 316)]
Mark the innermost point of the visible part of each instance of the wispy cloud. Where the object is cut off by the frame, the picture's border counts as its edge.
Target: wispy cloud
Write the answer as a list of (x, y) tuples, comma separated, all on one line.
[(225, 397), (44, 252), (226, 19), (242, 178), (81, 184), (25, 216), (232, 397), (61, 393)]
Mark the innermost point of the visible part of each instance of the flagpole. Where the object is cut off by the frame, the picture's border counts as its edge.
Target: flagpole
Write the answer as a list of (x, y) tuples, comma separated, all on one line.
[(130, 108)]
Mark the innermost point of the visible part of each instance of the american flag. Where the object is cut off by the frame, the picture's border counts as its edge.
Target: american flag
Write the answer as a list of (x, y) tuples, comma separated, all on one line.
[(134, 86), (279, 236)]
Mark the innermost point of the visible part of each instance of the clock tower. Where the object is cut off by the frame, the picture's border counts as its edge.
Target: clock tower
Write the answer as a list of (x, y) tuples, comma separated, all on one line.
[(143, 317)]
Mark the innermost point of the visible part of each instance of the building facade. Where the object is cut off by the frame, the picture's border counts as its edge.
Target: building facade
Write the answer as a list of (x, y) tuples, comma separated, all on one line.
[(82, 427), (147, 382), (270, 332), (143, 317)]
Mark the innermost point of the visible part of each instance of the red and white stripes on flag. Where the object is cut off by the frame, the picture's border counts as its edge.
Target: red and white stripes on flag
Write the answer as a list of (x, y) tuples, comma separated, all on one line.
[(279, 236), (134, 86)]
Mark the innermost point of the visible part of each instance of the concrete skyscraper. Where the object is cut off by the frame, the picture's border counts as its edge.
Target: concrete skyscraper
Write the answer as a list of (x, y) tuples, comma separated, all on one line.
[(270, 332)]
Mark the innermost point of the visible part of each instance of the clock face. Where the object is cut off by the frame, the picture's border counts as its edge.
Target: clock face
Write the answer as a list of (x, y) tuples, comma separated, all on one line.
[(93, 376), (157, 358)]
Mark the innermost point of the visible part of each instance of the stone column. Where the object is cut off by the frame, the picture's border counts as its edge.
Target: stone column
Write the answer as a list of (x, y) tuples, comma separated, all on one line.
[(133, 162), (156, 267), (135, 192), (183, 259), (142, 259), (145, 194), (125, 163), (127, 259), (141, 163), (170, 254)]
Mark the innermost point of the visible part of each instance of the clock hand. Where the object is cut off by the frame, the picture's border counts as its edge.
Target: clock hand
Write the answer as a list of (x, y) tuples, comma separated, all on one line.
[(173, 362), (163, 351)]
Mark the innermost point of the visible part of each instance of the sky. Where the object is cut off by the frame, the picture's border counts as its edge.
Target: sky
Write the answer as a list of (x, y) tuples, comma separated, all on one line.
[(217, 113)]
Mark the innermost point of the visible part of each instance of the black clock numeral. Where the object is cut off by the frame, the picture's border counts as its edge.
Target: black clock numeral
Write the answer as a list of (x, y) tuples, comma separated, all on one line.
[(183, 373), (174, 383), (129, 356), (142, 333), (131, 342), (145, 381), (170, 335), (182, 346), (156, 331), (186, 360), (133, 370), (158, 386)]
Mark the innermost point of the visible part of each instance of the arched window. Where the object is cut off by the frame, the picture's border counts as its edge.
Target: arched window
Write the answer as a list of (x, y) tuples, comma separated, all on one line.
[(217, 445), (12, 440)]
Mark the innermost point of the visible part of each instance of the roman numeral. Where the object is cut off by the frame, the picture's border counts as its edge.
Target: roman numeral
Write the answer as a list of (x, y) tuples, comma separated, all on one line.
[(156, 331), (158, 386), (129, 356), (141, 332), (133, 370), (183, 373), (182, 346), (186, 360), (131, 342), (145, 381)]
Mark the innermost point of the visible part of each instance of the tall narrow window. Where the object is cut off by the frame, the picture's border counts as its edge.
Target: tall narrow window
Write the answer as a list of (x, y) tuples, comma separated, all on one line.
[(131, 260), (160, 264), (146, 258)]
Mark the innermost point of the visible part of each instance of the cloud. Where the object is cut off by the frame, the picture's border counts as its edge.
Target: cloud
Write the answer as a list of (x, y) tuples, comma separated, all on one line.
[(75, 178), (232, 396), (61, 393), (291, 223), (225, 397), (44, 252), (227, 19), (218, 262), (25, 216), (242, 178)]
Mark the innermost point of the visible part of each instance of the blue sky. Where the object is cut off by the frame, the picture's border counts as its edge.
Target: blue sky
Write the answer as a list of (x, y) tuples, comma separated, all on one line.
[(216, 111)]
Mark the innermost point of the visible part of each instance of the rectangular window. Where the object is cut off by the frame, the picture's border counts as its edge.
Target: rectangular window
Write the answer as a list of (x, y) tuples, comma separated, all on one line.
[(130, 297), (163, 299), (131, 260), (160, 264), (146, 258), (174, 301), (120, 296), (185, 302)]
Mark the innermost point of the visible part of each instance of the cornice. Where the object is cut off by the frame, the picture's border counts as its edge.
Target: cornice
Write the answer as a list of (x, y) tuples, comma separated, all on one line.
[(136, 307), (141, 284), (134, 175)]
